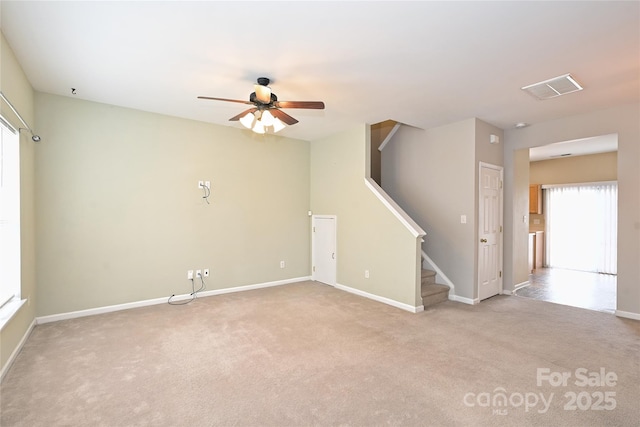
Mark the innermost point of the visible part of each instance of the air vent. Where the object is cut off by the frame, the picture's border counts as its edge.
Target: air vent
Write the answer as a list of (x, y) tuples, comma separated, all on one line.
[(553, 87)]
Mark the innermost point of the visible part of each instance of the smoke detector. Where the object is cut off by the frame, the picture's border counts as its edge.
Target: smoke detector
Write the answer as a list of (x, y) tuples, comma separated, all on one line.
[(551, 88)]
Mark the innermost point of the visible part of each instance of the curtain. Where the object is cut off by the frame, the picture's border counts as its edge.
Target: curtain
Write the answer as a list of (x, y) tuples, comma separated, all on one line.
[(582, 227)]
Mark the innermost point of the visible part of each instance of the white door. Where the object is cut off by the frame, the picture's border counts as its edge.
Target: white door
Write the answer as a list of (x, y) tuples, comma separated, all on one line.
[(490, 231), (323, 252)]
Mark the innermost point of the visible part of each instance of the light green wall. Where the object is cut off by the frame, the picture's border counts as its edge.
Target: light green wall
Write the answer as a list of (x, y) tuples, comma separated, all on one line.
[(622, 120), (369, 235), (120, 217), (15, 86)]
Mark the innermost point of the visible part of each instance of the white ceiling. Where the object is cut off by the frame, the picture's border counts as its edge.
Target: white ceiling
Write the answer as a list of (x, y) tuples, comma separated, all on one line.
[(421, 63)]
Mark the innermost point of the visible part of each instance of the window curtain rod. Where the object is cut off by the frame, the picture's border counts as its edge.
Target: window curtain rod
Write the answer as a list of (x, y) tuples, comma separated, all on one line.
[(34, 137), (578, 184)]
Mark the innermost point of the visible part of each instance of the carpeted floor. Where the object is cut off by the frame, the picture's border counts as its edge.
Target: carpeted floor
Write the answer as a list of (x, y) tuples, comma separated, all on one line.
[(308, 354)]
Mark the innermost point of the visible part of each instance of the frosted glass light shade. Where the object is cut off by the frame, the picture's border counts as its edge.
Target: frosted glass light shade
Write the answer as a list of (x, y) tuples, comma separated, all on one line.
[(263, 93), (258, 127), (247, 120), (267, 118), (277, 125)]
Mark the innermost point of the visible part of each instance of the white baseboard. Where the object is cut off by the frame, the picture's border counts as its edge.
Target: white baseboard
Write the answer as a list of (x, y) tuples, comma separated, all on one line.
[(464, 300), (111, 308), (515, 288), (628, 315), (252, 287), (384, 300), (13, 356), (521, 285)]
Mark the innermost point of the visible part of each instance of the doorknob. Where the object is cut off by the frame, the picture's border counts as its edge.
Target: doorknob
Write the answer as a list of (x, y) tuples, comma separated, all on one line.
[(483, 240)]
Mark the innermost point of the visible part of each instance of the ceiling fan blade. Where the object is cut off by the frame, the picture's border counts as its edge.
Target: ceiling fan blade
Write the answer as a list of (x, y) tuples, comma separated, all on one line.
[(225, 99), (263, 94), (241, 115), (283, 116), (313, 105)]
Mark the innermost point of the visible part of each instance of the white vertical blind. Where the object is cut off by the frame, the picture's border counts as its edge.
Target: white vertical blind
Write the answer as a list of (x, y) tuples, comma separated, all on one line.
[(9, 213), (582, 227)]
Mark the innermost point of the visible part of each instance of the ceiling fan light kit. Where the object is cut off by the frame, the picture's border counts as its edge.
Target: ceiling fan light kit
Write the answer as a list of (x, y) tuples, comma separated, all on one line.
[(261, 121), (266, 114)]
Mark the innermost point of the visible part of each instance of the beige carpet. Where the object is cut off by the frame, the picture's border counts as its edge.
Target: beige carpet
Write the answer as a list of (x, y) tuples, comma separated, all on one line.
[(307, 354)]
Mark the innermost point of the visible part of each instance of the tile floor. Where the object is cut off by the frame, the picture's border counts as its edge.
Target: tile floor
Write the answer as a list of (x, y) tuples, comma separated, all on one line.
[(592, 291)]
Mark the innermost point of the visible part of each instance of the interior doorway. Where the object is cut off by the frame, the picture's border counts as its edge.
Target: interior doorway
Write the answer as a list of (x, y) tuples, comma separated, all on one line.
[(490, 231), (323, 249), (582, 282)]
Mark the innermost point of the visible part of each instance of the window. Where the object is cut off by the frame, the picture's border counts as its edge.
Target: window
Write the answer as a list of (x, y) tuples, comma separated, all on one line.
[(9, 213), (582, 227)]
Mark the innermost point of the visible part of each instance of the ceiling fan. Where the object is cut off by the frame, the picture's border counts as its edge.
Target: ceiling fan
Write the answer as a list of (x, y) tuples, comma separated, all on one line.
[(266, 113)]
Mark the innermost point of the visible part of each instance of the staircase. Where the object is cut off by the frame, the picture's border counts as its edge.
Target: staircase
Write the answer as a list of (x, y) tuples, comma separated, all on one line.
[(432, 292)]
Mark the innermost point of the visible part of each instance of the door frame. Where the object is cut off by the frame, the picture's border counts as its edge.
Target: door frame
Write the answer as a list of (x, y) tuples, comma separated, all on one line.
[(500, 239), (335, 249)]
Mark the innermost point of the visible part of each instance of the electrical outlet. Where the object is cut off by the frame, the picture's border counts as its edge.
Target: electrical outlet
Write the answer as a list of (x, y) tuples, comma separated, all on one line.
[(198, 273), (190, 274), (205, 272), (200, 184), (281, 264), (366, 274), (207, 184)]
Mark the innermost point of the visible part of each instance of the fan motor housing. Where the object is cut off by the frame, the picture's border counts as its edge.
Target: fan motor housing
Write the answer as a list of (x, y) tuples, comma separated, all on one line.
[(253, 98)]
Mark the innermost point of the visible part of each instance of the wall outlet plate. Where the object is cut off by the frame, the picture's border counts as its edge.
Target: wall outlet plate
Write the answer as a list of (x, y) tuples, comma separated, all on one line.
[(200, 184), (205, 272), (190, 274), (198, 273)]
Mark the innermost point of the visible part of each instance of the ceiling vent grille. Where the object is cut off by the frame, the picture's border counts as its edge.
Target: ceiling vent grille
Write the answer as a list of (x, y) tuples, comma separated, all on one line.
[(553, 87)]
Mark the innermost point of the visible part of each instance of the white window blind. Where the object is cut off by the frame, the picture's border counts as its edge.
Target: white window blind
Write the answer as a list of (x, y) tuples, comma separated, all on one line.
[(9, 213), (582, 230)]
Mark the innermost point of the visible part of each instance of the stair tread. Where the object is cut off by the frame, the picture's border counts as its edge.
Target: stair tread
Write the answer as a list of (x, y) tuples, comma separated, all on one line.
[(434, 289), (427, 273)]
